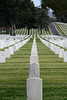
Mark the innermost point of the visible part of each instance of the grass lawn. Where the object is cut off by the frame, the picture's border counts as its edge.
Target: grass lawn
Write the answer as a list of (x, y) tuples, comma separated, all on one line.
[(53, 71), (13, 74), (62, 33)]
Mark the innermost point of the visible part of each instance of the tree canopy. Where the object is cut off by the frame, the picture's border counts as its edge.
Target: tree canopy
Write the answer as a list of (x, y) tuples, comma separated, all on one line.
[(21, 13), (59, 7), (42, 19), (15, 12)]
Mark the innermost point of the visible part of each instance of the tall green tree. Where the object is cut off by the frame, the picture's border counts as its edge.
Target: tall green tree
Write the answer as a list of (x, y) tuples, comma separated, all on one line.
[(59, 7), (22, 13), (16, 13), (42, 19), (9, 13), (27, 15)]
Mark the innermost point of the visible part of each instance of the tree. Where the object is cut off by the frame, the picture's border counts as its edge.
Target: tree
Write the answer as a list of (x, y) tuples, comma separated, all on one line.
[(27, 15), (42, 19), (15, 13), (22, 13), (59, 7), (8, 10)]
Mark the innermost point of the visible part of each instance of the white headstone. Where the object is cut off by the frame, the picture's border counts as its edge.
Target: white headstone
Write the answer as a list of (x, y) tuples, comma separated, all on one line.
[(34, 70), (2, 56), (7, 53), (52, 46), (14, 47), (11, 50), (34, 89), (65, 56), (34, 49), (2, 44), (57, 50), (61, 53), (33, 59), (49, 44), (34, 53)]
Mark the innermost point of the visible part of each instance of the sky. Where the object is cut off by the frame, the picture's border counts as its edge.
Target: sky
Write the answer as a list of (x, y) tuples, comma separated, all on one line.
[(37, 2)]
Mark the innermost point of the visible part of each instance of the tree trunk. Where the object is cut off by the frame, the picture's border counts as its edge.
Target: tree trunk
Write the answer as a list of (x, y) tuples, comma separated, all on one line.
[(8, 30), (11, 29), (62, 19), (14, 30), (41, 30), (28, 31)]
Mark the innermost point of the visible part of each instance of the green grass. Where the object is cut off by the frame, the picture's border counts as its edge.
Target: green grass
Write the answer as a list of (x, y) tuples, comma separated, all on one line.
[(53, 72), (62, 33), (46, 32), (14, 73)]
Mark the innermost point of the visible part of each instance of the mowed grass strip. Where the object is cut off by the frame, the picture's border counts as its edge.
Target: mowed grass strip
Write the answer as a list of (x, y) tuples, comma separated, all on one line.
[(53, 71), (13, 74), (59, 29)]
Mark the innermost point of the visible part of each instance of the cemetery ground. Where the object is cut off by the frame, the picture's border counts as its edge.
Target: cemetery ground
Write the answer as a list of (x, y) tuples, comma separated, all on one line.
[(62, 28), (53, 71), (14, 73)]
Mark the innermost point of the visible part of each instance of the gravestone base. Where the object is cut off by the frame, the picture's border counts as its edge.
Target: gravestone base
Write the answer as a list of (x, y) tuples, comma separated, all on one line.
[(7, 53), (61, 53), (2, 56), (11, 50), (34, 89), (65, 56)]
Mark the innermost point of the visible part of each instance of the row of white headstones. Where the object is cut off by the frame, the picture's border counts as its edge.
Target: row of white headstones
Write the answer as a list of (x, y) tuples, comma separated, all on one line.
[(20, 31), (63, 27), (34, 82), (7, 40), (57, 40), (11, 49), (55, 48)]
